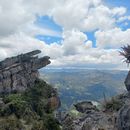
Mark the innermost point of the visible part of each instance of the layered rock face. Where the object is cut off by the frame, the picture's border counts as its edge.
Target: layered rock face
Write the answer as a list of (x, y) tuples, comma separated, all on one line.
[(123, 116), (123, 119), (19, 72), (127, 82)]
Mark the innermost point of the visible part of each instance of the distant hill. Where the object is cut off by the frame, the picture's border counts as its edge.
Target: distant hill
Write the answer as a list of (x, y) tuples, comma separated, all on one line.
[(85, 84)]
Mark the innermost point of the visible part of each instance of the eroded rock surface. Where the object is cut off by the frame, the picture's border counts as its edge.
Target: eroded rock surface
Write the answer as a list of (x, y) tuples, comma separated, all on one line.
[(90, 119), (19, 72)]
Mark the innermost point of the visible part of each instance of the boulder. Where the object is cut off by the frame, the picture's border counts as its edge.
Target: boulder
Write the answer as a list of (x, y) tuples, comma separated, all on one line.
[(85, 106)]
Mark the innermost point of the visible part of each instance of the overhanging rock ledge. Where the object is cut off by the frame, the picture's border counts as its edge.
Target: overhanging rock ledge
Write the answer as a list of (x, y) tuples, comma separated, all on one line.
[(19, 72)]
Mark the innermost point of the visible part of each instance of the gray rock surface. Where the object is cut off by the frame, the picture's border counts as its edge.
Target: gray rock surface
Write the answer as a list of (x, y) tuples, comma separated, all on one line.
[(85, 106), (19, 72), (123, 120), (90, 119), (127, 82), (123, 116)]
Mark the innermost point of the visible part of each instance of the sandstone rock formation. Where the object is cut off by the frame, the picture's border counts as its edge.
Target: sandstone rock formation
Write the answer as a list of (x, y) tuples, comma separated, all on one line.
[(19, 72)]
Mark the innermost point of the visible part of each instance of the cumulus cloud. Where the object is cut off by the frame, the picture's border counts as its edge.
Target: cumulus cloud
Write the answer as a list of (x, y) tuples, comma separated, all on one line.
[(12, 16), (119, 11), (81, 14), (17, 31), (74, 42), (92, 59), (87, 15), (113, 38)]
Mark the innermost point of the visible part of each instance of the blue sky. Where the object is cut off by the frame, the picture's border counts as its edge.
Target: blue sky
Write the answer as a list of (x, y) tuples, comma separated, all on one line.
[(48, 23), (125, 3)]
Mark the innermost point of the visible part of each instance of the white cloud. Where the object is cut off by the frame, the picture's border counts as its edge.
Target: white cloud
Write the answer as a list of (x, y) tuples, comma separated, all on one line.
[(12, 16), (18, 43), (41, 7), (87, 15), (17, 30), (78, 13), (119, 11), (74, 42), (123, 18), (114, 38), (93, 58)]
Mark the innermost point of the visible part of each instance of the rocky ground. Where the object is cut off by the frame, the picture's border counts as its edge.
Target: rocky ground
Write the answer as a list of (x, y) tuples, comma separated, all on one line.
[(111, 115)]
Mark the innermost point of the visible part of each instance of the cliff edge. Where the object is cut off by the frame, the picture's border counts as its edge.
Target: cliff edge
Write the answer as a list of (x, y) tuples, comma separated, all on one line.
[(20, 72), (26, 102)]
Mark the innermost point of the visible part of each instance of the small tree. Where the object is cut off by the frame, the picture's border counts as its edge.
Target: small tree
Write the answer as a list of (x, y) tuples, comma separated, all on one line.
[(126, 53)]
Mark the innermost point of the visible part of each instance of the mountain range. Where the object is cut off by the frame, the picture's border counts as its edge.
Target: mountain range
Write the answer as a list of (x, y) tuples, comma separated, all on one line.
[(76, 85)]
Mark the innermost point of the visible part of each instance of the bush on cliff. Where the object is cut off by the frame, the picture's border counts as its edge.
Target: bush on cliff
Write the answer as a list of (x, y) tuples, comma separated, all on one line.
[(27, 111), (113, 105)]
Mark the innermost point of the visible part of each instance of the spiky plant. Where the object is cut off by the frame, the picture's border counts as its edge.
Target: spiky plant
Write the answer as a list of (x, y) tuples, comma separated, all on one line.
[(126, 53)]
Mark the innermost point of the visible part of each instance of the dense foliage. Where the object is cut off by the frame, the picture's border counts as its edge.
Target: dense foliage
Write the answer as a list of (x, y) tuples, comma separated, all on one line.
[(28, 110)]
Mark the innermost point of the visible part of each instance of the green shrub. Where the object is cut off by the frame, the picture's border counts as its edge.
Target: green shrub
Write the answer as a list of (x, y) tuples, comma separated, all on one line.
[(51, 122), (38, 125), (27, 111), (10, 123), (113, 105), (38, 95), (16, 104)]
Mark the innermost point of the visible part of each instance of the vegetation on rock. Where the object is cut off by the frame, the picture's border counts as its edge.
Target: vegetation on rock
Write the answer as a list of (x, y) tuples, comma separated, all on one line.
[(29, 110), (126, 53), (114, 104)]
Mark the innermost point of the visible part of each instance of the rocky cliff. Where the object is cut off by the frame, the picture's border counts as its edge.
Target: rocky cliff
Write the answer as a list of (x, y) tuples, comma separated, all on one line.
[(19, 72), (26, 102)]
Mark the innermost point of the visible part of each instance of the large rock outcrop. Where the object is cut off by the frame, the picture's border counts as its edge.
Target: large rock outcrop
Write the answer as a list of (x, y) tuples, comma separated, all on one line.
[(26, 101), (19, 72)]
